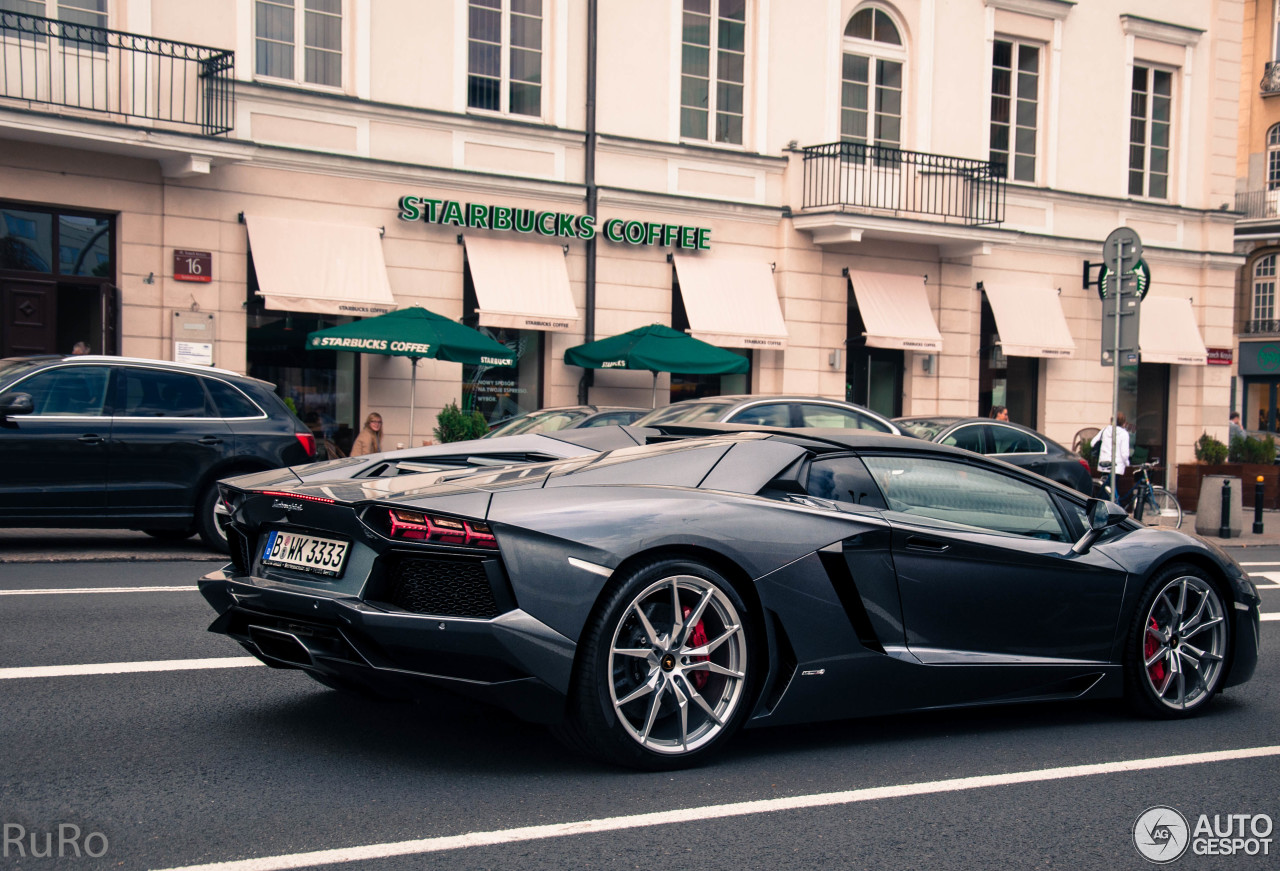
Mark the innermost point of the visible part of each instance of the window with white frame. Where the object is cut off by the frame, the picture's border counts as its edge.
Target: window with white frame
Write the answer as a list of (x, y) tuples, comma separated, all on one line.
[(871, 80), (713, 60), (504, 56), (1015, 107), (87, 12), (299, 40), (1264, 288), (1150, 131)]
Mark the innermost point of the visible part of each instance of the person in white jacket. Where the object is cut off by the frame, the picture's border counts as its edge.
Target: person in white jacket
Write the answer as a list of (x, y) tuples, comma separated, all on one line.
[(1103, 441)]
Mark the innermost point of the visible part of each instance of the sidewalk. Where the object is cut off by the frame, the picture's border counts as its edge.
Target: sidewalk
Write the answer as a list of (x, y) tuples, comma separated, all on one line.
[(96, 545), (1269, 536)]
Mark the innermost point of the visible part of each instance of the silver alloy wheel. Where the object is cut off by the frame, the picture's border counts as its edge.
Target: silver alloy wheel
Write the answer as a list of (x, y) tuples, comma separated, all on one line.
[(1184, 642), (221, 517), (677, 664)]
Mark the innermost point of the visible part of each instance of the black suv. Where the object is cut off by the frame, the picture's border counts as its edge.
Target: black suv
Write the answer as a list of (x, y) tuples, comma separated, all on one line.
[(116, 442)]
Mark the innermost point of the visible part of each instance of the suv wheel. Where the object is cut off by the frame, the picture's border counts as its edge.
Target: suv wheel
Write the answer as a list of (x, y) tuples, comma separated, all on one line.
[(211, 518)]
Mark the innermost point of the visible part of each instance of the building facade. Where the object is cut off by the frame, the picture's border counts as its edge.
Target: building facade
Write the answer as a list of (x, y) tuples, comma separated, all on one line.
[(886, 201)]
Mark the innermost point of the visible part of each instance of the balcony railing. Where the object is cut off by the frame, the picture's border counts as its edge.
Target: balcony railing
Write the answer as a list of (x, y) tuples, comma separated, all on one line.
[(1253, 205), (1270, 83), (875, 178), (75, 66), (1262, 326)]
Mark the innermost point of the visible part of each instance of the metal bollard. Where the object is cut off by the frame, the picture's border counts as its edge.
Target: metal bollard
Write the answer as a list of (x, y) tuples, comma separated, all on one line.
[(1224, 523), (1258, 490)]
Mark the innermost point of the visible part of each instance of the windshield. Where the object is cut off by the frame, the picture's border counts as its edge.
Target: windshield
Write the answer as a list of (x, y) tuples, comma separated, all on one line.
[(684, 412), (539, 421), (12, 367)]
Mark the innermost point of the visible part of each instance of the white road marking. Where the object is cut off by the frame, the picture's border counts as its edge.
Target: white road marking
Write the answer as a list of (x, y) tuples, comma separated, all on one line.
[(1270, 617), (711, 812), (189, 588), (1273, 577), (127, 667), (1261, 564)]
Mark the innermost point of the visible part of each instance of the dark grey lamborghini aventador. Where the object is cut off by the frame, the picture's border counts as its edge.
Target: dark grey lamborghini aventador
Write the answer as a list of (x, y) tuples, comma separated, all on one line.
[(649, 601)]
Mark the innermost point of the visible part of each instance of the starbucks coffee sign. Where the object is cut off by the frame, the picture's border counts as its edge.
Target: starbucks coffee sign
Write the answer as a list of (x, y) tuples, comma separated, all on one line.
[(476, 216)]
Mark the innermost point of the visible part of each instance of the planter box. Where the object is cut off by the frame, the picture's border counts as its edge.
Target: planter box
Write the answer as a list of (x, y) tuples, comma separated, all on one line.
[(1191, 474)]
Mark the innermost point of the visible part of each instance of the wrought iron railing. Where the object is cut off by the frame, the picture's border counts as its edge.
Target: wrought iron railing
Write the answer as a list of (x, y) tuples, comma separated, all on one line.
[(872, 177), (1253, 205), (45, 61), (1262, 326), (1270, 83)]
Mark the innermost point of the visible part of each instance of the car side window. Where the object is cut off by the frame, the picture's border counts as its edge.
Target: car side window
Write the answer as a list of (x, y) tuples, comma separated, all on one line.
[(229, 401), (69, 390), (967, 437), (954, 493), (772, 414), (843, 479), (835, 417), (157, 393), (1007, 440), (612, 418)]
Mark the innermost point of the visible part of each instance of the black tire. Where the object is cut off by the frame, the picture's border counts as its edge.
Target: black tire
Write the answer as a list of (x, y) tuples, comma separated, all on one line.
[(1178, 644), (209, 520), (611, 714), (170, 534)]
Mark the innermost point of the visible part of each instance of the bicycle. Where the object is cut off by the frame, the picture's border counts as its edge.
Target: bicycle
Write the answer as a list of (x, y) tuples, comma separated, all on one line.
[(1146, 503)]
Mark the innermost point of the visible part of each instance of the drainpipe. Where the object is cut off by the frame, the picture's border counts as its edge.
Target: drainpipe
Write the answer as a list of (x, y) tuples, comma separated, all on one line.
[(589, 172)]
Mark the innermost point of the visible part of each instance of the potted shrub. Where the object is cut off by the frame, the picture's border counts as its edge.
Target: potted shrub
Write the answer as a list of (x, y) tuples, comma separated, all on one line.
[(455, 425), (1246, 459)]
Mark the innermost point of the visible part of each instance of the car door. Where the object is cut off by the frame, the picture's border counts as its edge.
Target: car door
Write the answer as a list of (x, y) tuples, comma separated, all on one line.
[(986, 573), (56, 457), (165, 435), (968, 436)]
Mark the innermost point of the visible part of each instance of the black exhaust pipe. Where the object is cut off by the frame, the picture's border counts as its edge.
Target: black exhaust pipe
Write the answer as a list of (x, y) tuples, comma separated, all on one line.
[(280, 646)]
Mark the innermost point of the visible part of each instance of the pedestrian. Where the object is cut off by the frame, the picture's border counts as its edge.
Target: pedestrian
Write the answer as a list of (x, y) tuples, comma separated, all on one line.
[(999, 412), (1102, 441), (80, 348), (370, 439), (1234, 429)]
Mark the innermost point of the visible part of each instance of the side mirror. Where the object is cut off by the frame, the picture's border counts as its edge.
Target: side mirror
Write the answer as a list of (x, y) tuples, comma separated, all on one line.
[(1102, 515), (16, 403)]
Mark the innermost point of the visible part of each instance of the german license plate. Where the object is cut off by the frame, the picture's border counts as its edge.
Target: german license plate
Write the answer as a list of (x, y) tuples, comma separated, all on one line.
[(307, 553)]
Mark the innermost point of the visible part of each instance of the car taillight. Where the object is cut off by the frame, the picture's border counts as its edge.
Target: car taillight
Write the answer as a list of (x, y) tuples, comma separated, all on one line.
[(416, 526), (308, 442), (1085, 463)]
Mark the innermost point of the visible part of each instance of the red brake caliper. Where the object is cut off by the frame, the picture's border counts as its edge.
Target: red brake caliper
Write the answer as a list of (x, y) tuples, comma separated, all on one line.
[(1149, 647), (697, 638)]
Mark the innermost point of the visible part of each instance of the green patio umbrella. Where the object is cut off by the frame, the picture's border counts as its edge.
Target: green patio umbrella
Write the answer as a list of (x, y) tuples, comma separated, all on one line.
[(414, 333), (658, 349)]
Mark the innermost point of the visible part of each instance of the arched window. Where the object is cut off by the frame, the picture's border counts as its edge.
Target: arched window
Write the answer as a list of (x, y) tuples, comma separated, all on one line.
[(1264, 293), (871, 80)]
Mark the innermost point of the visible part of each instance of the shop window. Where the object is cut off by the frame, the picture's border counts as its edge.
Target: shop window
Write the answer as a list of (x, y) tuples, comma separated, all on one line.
[(713, 70), (871, 81), (299, 40), (1263, 308), (687, 386), (501, 392), (1015, 98), (505, 56), (1150, 130), (1013, 382)]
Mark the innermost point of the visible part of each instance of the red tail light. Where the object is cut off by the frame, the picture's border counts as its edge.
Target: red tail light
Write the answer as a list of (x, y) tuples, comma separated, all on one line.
[(308, 442), (1085, 463), (416, 526), (287, 495)]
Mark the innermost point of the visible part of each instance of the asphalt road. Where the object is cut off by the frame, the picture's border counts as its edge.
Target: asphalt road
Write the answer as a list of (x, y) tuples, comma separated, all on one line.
[(210, 764)]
